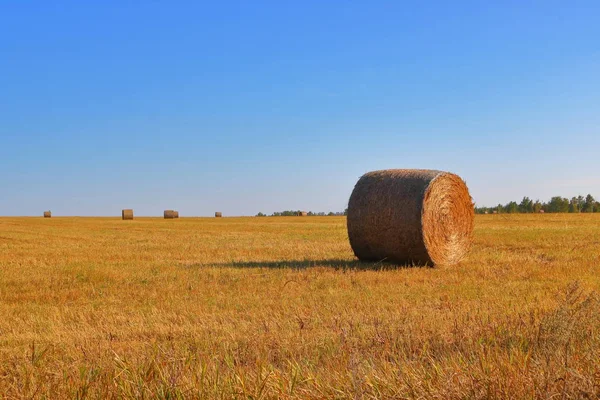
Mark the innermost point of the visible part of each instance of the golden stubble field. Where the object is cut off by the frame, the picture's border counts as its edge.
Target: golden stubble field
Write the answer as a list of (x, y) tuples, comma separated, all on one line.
[(278, 308)]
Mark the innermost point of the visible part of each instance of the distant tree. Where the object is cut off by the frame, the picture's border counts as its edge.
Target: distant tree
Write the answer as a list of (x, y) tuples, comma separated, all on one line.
[(346, 211), (574, 205), (260, 215), (481, 210), (588, 206), (537, 206), (545, 206), (526, 205), (558, 205), (331, 214), (512, 207)]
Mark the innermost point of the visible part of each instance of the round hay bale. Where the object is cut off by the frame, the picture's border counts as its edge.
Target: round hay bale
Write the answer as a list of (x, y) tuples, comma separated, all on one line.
[(47, 214), (302, 213), (422, 217), (127, 214), (169, 214), (218, 214), (175, 214)]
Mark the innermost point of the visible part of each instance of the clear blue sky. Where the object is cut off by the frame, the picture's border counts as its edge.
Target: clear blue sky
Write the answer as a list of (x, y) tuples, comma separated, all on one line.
[(269, 105)]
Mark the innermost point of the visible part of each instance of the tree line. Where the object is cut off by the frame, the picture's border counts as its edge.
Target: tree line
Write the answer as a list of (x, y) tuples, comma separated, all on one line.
[(292, 213), (556, 204)]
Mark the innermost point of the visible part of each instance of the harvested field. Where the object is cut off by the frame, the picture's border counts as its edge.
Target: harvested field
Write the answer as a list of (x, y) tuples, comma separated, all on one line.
[(279, 308)]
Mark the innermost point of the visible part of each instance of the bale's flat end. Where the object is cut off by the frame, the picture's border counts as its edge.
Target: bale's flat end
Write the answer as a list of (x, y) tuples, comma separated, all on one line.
[(447, 219)]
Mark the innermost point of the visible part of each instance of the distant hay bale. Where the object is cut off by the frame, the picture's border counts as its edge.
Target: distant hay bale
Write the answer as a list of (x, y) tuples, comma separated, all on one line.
[(175, 214), (47, 214), (218, 214), (169, 214), (422, 217), (302, 213), (542, 211), (127, 214)]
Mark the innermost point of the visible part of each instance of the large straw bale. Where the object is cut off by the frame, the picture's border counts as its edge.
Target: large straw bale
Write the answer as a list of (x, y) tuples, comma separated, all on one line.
[(47, 214), (422, 217), (218, 214)]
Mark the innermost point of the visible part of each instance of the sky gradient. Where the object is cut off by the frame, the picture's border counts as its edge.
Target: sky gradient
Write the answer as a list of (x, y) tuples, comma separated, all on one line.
[(266, 106)]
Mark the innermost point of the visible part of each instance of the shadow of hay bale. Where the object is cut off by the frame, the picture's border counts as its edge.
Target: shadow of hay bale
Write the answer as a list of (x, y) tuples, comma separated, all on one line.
[(305, 264)]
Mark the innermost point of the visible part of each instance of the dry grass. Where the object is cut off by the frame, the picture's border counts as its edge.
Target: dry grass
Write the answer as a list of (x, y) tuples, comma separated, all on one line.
[(277, 308)]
